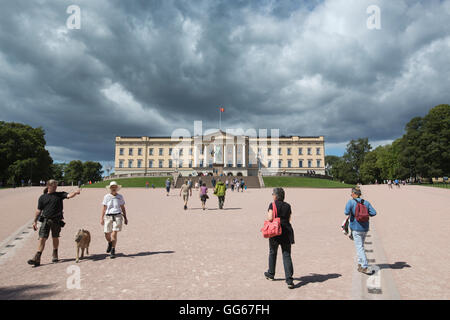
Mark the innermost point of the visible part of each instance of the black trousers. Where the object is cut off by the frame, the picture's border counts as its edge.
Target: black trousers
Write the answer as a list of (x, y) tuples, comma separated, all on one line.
[(221, 201), (287, 261)]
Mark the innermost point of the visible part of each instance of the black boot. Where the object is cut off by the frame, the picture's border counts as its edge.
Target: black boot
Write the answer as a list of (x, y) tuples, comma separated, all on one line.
[(36, 261), (113, 253), (55, 256), (108, 250)]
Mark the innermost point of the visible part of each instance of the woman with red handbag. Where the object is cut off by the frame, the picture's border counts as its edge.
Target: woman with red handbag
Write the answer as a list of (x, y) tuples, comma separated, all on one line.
[(282, 210)]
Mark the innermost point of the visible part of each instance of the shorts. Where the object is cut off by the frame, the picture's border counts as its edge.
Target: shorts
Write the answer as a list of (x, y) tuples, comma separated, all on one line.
[(50, 225), (113, 223), (203, 198), (186, 197), (168, 189)]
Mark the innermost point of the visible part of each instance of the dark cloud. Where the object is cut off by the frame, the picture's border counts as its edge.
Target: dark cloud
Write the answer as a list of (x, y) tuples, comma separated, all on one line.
[(149, 67)]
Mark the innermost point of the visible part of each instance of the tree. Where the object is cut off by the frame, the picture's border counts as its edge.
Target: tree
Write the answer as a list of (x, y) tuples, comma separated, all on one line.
[(92, 171), (74, 171), (425, 147), (23, 153), (58, 170)]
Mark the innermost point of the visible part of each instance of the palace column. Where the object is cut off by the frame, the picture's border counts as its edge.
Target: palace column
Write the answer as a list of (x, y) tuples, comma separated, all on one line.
[(243, 155), (234, 155), (224, 148), (205, 152), (195, 155)]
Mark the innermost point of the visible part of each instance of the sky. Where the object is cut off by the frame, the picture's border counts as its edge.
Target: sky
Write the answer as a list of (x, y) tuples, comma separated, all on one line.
[(136, 68)]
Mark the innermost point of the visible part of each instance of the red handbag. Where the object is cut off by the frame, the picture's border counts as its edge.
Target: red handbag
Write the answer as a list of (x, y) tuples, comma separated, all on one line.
[(272, 228)]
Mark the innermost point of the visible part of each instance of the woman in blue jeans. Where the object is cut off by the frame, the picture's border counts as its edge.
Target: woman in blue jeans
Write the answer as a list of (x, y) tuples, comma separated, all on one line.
[(359, 229), (285, 240)]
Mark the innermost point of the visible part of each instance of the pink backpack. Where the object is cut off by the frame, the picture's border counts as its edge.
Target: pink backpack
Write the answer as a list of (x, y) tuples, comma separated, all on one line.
[(272, 228), (361, 212)]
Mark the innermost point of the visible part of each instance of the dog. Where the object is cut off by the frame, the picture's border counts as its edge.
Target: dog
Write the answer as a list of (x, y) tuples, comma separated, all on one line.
[(82, 239)]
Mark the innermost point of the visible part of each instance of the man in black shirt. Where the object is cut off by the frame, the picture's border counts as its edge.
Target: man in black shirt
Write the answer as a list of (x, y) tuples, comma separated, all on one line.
[(50, 214)]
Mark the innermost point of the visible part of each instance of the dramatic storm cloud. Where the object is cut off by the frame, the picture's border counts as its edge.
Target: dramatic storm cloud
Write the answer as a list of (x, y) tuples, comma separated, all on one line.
[(148, 67)]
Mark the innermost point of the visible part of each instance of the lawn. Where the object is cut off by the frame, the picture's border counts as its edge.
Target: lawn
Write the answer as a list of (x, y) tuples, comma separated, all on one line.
[(301, 182), (159, 182), (435, 185)]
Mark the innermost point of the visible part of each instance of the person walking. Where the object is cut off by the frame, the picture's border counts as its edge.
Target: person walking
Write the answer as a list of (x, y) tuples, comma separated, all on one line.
[(50, 214), (184, 191), (203, 195), (168, 184), (242, 184), (113, 216), (285, 240), (191, 185), (220, 191), (213, 182), (359, 226)]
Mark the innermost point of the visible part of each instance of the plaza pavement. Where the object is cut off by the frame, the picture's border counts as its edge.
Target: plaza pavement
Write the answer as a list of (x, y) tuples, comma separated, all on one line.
[(168, 253)]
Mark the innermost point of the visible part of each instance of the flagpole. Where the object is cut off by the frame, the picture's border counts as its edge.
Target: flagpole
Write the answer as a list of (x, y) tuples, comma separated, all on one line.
[(220, 119)]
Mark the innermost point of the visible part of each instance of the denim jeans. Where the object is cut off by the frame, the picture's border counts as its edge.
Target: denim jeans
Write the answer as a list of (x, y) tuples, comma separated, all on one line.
[(287, 261), (358, 238)]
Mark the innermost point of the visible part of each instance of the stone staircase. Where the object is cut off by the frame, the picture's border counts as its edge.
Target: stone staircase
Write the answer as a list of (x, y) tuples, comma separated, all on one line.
[(250, 181)]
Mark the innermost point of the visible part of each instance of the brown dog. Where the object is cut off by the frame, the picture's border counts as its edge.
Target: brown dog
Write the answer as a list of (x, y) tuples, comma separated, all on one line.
[(82, 239)]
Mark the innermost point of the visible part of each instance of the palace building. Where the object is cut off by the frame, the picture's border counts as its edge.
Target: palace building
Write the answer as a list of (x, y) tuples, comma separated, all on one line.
[(219, 153)]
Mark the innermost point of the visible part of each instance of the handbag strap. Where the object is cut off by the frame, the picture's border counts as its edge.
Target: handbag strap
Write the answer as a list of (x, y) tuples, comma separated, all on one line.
[(274, 209)]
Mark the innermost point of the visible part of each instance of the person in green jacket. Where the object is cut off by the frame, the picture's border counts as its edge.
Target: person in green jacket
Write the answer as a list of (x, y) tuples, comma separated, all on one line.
[(220, 191)]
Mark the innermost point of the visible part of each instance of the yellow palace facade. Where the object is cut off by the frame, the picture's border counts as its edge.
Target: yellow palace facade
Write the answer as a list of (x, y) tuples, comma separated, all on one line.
[(219, 153)]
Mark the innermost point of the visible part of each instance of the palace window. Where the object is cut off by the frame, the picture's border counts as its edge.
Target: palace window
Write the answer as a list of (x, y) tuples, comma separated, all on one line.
[(190, 162), (170, 163), (160, 163), (190, 151), (289, 151), (121, 151), (150, 151), (280, 164), (318, 151), (120, 163), (139, 151), (309, 151), (180, 164), (309, 163), (279, 152), (150, 164), (289, 163), (130, 163), (318, 163), (130, 151), (139, 163), (300, 151), (170, 152), (161, 151), (180, 152), (300, 163), (269, 164), (269, 151)]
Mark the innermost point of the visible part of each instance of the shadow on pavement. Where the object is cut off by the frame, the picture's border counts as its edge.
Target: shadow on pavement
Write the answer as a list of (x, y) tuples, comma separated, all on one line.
[(97, 257), (26, 292), (313, 278), (214, 209), (397, 265)]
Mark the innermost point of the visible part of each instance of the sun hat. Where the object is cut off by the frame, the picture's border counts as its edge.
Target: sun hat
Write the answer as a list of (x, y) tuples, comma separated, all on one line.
[(113, 183)]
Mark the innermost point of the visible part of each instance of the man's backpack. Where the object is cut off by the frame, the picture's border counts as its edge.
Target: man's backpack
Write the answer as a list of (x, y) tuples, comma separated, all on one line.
[(361, 211)]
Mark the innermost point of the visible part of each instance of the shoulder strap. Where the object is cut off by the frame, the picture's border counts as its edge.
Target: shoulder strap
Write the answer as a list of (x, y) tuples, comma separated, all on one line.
[(274, 209)]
